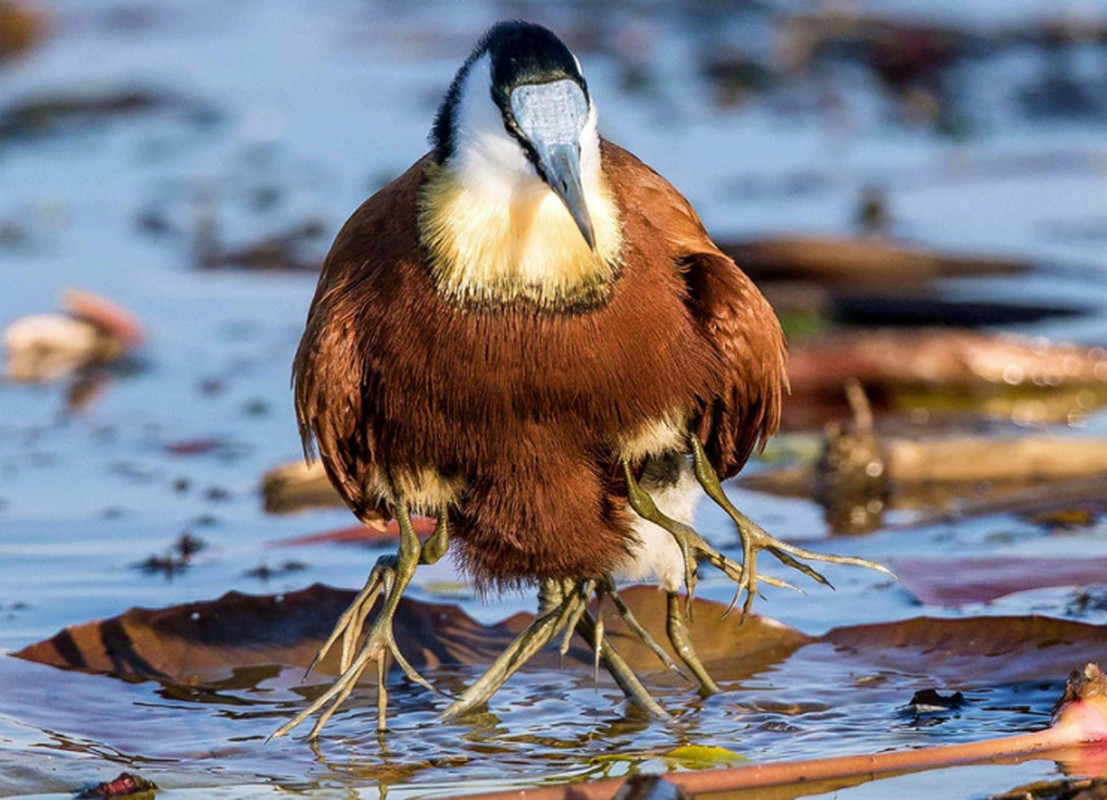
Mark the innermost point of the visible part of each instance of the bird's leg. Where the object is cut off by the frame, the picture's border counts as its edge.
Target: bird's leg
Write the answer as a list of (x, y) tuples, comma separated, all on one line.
[(636, 693), (682, 644), (558, 602), (562, 605), (692, 545), (636, 628), (390, 577), (435, 547), (755, 538)]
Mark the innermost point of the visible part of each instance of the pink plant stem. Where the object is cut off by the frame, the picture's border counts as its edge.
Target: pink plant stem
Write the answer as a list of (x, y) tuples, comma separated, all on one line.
[(788, 772), (1077, 724)]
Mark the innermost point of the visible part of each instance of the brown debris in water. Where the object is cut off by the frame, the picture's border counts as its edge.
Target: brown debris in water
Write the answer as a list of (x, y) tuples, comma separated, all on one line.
[(91, 331), (295, 486), (50, 113), (925, 373), (851, 477), (861, 261), (22, 26), (125, 785), (177, 559), (858, 477), (287, 251)]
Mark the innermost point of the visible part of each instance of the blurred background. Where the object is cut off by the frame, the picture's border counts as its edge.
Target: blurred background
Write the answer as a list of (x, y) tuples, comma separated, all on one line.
[(920, 186)]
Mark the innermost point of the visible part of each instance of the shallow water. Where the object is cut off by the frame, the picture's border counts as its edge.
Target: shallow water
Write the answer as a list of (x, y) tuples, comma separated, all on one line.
[(315, 104)]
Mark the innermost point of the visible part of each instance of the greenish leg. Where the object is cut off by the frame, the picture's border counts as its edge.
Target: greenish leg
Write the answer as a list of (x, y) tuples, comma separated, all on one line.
[(636, 628), (636, 693), (692, 545), (389, 577), (435, 547), (682, 643), (755, 538), (558, 601)]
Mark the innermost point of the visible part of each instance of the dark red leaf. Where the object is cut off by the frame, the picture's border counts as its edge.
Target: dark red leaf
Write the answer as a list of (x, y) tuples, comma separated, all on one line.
[(956, 581)]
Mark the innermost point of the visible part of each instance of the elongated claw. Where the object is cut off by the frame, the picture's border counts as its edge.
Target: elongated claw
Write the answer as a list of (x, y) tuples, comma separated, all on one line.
[(636, 628), (352, 620), (585, 590), (563, 605), (682, 643), (558, 602), (755, 538), (635, 692), (388, 579)]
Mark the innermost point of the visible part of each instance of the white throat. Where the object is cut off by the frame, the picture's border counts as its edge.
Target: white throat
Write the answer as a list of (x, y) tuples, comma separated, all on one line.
[(495, 231)]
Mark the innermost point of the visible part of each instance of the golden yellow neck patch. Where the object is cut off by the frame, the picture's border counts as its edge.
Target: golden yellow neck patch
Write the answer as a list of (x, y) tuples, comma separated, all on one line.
[(483, 248)]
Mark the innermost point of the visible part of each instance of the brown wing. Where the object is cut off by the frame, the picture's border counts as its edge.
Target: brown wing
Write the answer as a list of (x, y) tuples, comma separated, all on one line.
[(740, 323), (730, 312), (332, 373)]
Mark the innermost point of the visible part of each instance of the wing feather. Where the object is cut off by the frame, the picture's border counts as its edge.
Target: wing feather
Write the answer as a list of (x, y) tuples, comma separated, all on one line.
[(335, 374), (740, 323), (328, 384), (730, 312)]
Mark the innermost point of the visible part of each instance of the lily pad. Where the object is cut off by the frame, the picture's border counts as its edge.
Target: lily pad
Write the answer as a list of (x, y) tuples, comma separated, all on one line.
[(209, 641), (977, 651), (700, 756), (205, 642), (954, 582)]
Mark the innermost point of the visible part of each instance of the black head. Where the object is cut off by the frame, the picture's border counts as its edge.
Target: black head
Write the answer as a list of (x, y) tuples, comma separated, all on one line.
[(520, 53)]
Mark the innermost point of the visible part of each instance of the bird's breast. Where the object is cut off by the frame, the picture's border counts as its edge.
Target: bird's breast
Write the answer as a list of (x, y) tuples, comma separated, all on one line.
[(624, 375), (486, 245)]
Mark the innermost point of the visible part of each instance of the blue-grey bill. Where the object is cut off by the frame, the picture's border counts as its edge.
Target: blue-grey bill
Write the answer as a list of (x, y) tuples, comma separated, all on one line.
[(562, 173), (551, 116)]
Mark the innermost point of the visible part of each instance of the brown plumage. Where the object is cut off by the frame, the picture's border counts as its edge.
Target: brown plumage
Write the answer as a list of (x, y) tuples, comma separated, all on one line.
[(519, 411), (530, 336)]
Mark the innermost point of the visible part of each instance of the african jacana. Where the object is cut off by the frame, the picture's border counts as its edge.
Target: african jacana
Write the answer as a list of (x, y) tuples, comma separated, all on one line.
[(530, 336)]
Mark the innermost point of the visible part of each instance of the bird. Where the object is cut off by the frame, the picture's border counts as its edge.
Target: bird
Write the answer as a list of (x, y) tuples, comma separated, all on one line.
[(530, 337)]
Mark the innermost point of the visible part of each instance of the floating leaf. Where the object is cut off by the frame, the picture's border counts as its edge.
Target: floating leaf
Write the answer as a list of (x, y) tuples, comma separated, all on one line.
[(204, 642), (700, 756), (956, 581), (959, 653), (862, 261)]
